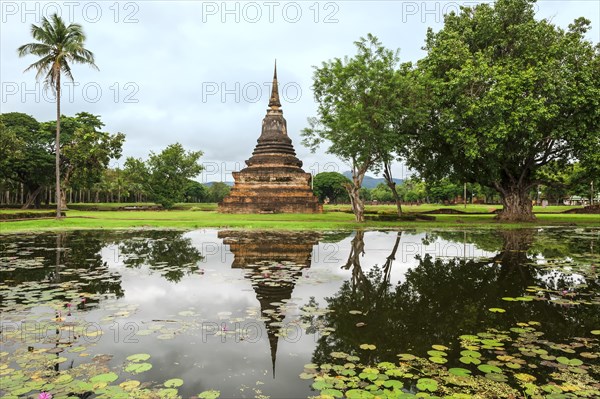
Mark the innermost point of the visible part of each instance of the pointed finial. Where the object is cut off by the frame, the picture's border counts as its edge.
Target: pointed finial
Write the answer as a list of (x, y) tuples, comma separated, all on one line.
[(274, 102)]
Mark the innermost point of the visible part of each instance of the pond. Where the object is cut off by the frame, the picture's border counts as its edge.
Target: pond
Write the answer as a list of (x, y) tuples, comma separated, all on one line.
[(226, 313)]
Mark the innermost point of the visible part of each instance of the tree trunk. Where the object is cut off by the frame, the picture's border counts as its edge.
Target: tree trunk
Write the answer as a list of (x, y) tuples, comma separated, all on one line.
[(358, 206), (387, 174), (63, 200), (516, 204), (32, 197), (57, 147)]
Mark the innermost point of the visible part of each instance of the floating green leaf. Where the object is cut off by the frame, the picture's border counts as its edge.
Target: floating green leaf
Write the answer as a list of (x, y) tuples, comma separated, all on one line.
[(136, 368), (173, 383), (459, 371), (332, 392), (359, 394), (569, 362), (106, 377), (488, 368), (427, 384), (212, 394), (139, 357)]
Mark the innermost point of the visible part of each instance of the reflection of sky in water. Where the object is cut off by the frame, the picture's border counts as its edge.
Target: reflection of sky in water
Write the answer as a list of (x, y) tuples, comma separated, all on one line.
[(203, 360)]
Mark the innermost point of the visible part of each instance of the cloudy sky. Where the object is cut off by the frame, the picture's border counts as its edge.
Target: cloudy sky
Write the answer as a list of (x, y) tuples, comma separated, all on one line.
[(199, 72)]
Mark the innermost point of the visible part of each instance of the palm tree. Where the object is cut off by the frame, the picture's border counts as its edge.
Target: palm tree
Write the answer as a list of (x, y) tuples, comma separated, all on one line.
[(57, 45)]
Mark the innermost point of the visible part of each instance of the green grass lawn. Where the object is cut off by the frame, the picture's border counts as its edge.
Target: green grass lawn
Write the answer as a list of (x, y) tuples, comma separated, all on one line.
[(205, 215)]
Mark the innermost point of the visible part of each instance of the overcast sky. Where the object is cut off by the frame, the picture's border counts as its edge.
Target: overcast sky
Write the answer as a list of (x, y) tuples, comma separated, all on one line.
[(199, 72)]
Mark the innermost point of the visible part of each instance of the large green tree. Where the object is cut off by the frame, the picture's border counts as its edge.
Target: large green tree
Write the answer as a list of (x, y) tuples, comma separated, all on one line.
[(164, 176), (331, 186), (508, 94), (58, 45), (26, 154), (358, 109)]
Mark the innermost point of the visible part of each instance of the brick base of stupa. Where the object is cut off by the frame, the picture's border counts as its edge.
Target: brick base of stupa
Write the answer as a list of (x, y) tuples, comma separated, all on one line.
[(258, 190)]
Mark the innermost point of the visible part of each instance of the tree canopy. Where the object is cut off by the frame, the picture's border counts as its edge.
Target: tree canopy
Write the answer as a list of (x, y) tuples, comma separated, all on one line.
[(331, 186), (508, 94), (357, 110), (165, 176)]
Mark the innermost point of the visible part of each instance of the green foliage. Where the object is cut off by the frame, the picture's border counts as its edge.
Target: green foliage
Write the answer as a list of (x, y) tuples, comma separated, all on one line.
[(166, 174), (382, 193), (508, 94), (58, 45), (357, 108), (196, 192), (331, 185), (86, 151), (25, 155), (565, 180), (443, 190), (413, 190), (217, 191)]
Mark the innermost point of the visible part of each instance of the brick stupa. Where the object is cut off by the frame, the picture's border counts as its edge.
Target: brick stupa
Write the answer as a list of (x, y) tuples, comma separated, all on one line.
[(273, 181)]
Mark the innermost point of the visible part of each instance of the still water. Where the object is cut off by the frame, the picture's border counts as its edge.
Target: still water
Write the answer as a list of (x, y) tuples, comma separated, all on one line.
[(246, 313)]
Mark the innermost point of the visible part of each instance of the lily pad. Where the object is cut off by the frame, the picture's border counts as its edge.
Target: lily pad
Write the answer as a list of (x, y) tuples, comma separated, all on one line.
[(212, 394), (427, 384), (136, 368), (569, 362), (173, 383), (139, 357), (488, 368), (106, 377)]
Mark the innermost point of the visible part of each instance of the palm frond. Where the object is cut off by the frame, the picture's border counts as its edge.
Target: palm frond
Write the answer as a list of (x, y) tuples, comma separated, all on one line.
[(57, 44)]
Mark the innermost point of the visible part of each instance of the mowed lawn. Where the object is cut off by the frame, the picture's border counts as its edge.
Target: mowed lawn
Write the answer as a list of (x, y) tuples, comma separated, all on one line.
[(334, 217)]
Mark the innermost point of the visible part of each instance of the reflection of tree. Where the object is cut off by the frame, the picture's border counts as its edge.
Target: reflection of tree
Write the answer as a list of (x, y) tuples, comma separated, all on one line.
[(166, 252), (360, 283), (273, 262), (71, 258), (442, 299)]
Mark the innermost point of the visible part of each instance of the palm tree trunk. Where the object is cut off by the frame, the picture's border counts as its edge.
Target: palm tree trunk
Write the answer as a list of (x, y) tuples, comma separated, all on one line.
[(57, 161)]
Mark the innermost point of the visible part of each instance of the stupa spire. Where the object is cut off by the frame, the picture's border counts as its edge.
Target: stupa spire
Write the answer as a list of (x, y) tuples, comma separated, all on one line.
[(274, 103)]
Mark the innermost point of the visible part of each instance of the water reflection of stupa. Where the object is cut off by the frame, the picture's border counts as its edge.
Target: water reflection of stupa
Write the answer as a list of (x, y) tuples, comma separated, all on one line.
[(273, 262)]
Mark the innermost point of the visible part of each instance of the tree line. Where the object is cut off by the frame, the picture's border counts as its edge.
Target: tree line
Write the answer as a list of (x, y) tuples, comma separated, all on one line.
[(88, 166), (330, 187)]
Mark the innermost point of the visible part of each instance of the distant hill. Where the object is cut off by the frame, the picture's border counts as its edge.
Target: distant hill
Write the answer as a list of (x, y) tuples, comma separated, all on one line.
[(371, 182), (210, 183)]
